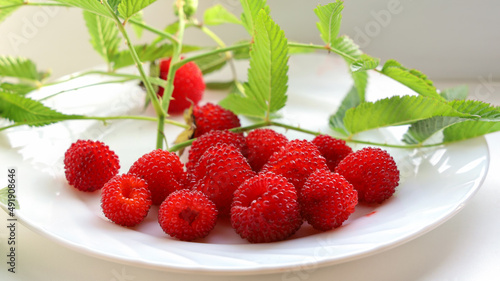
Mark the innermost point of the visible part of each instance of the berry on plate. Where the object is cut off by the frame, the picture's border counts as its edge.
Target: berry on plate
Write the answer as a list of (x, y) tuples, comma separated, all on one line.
[(266, 209), (262, 143), (187, 215), (219, 172), (213, 117), (188, 86), (163, 172), (327, 199), (201, 144), (334, 150), (296, 161), (126, 200), (373, 173), (88, 165)]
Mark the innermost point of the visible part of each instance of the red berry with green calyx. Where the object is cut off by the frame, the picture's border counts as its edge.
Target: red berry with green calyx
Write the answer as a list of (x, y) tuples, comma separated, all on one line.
[(188, 86)]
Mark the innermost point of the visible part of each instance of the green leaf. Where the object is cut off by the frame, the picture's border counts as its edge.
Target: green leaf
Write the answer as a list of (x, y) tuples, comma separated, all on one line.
[(219, 15), (360, 79), (157, 81), (212, 63), (128, 8), (469, 129), (138, 30), (244, 53), (364, 62), (424, 129), (220, 85), (22, 68), (242, 105), (251, 9), (345, 47), (93, 6), (350, 51), (479, 109), (18, 89), (147, 53), (24, 110), (267, 75), (411, 78), (104, 35), (480, 112), (172, 29), (4, 198), (395, 111), (351, 100), (5, 12), (114, 5), (456, 93), (330, 18), (329, 21)]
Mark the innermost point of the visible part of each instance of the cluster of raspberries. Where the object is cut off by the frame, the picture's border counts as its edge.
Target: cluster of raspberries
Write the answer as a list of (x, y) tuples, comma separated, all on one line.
[(265, 184)]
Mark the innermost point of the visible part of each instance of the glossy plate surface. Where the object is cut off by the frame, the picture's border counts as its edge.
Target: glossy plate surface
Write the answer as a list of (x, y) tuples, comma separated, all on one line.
[(435, 182)]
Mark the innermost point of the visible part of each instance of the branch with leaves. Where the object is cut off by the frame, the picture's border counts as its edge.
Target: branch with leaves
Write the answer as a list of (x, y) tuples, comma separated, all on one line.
[(427, 113)]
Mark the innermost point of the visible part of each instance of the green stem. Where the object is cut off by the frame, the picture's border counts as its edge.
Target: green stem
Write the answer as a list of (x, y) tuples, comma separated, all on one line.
[(298, 129), (161, 33), (179, 146), (212, 52), (86, 86), (104, 73), (212, 35), (77, 117), (228, 54), (263, 124), (101, 118), (121, 117), (322, 47), (168, 90), (251, 127), (149, 88), (349, 139)]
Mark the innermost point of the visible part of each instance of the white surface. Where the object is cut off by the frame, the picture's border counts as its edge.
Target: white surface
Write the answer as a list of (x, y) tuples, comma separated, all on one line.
[(435, 184), (446, 39), (461, 249)]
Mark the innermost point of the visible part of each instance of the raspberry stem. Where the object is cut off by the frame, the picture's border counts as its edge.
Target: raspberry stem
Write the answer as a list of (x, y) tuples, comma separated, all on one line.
[(228, 55), (182, 145), (160, 112), (177, 46), (169, 36)]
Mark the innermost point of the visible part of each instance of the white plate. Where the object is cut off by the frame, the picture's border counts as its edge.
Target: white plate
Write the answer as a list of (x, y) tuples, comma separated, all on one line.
[(435, 182)]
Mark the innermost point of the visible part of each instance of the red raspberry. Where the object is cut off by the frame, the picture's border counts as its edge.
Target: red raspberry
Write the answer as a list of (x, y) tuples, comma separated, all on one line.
[(327, 199), (372, 172), (126, 200), (88, 165), (262, 143), (187, 215), (213, 117), (266, 209), (334, 150), (201, 144), (220, 171), (163, 172), (188, 86), (296, 161)]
